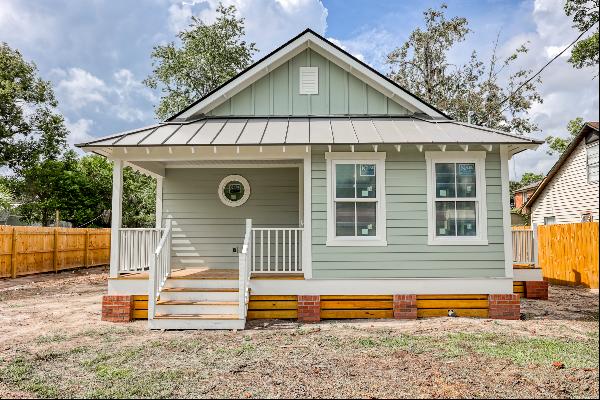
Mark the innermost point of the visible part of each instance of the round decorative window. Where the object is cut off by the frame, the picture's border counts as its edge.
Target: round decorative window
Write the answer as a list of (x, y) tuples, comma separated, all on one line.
[(234, 190)]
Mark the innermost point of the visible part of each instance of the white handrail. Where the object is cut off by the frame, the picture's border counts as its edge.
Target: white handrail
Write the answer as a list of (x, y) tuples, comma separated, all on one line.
[(160, 269), (244, 271), (272, 255), (136, 246)]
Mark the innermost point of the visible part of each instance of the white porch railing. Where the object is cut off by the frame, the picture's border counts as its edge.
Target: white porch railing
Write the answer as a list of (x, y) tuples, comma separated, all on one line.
[(136, 246), (523, 245), (245, 257), (160, 269), (277, 250)]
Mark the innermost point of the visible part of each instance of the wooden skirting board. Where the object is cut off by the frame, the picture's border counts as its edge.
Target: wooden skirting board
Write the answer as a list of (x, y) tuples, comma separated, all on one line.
[(343, 307), (519, 288), (140, 307), (357, 306), (463, 305), (273, 307)]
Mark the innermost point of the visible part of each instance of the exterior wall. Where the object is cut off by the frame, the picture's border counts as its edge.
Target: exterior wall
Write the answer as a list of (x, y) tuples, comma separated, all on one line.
[(407, 254), (569, 194), (340, 93), (205, 230)]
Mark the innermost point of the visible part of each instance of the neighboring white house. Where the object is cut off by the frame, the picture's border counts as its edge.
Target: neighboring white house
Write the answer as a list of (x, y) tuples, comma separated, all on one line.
[(569, 193), (322, 188)]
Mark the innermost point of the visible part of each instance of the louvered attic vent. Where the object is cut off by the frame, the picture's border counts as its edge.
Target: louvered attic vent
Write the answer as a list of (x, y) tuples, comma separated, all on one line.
[(309, 80)]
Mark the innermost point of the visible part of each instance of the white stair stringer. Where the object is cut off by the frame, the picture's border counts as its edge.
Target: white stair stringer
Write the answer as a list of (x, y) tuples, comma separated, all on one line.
[(198, 304)]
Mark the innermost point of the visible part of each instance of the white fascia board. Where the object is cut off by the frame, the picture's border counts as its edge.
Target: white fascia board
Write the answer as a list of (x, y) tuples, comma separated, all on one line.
[(365, 74), (249, 77), (292, 49)]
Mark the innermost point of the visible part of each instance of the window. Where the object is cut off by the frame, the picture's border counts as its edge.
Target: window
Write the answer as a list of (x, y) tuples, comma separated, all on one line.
[(587, 217), (550, 220), (456, 198), (356, 199), (234, 190), (592, 162), (525, 197)]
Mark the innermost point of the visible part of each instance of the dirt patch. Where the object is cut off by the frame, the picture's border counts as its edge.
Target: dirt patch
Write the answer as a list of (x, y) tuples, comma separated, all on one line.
[(53, 344)]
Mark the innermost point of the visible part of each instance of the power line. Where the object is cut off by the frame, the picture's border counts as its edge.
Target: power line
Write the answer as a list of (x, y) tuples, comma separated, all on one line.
[(544, 67)]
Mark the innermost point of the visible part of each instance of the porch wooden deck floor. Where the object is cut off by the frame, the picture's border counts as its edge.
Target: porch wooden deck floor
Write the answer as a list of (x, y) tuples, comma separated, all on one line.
[(212, 273), (189, 273)]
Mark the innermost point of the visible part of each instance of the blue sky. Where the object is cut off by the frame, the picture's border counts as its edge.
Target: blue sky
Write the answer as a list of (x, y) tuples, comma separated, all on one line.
[(97, 52)]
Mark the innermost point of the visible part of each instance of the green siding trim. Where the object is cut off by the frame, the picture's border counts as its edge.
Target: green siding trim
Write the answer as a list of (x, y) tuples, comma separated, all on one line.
[(407, 254), (205, 230), (277, 93)]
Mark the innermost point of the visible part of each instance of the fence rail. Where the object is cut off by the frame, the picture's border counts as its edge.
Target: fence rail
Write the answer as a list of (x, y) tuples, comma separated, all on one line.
[(568, 253), (27, 250), (523, 245), (277, 250)]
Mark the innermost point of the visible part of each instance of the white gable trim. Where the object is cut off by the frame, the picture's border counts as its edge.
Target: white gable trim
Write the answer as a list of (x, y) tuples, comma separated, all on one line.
[(295, 47)]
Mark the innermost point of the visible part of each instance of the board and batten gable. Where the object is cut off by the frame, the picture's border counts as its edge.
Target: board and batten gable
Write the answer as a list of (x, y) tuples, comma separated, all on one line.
[(569, 194), (205, 230), (278, 93), (407, 254)]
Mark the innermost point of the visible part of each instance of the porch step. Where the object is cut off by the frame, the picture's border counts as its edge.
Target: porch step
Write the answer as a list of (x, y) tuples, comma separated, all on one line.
[(196, 316), (189, 307), (195, 321), (198, 290), (202, 283), (199, 294), (197, 303)]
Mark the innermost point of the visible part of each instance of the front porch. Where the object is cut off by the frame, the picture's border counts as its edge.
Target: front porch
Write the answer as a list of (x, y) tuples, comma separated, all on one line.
[(220, 221)]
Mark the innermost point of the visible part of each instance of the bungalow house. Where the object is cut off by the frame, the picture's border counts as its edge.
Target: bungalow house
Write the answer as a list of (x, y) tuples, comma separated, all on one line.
[(311, 186), (569, 193), (523, 194)]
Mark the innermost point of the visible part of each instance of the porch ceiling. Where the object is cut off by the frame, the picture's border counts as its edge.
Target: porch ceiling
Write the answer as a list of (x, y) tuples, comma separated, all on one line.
[(252, 131)]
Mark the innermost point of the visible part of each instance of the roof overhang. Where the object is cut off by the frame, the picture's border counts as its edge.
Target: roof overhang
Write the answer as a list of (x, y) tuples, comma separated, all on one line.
[(302, 131)]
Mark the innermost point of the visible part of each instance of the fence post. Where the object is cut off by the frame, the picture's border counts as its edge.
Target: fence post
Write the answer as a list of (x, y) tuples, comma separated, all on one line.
[(86, 257), (55, 256), (535, 245), (13, 257)]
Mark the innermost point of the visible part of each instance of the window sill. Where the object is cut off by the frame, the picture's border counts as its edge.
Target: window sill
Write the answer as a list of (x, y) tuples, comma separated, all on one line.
[(457, 242), (356, 242)]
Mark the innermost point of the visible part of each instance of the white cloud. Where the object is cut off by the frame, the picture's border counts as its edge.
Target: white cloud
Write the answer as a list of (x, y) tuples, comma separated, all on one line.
[(79, 131), (567, 92), (19, 23), (78, 89), (371, 46), (268, 23)]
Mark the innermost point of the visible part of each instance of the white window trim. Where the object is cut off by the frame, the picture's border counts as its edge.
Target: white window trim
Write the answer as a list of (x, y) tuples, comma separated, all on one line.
[(377, 158), (477, 157)]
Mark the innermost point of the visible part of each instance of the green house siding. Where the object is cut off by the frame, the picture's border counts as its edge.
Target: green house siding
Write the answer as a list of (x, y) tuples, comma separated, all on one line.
[(277, 93), (407, 254), (205, 231)]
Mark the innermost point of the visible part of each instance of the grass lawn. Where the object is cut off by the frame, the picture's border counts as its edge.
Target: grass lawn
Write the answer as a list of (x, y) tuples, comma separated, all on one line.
[(53, 344)]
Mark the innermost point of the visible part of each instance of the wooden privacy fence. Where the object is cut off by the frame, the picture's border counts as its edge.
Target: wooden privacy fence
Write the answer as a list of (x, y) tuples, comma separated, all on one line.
[(568, 254), (26, 250)]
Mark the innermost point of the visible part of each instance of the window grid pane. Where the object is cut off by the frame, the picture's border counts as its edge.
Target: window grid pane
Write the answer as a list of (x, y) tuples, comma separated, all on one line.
[(455, 181), (355, 181)]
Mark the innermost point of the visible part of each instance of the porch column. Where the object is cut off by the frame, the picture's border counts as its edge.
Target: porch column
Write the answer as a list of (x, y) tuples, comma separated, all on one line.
[(159, 199), (307, 214), (116, 217)]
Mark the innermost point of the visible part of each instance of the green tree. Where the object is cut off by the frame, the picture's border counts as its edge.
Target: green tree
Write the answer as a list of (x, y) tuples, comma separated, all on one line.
[(474, 91), (30, 126), (6, 197), (81, 190), (209, 55), (585, 16), (558, 144)]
